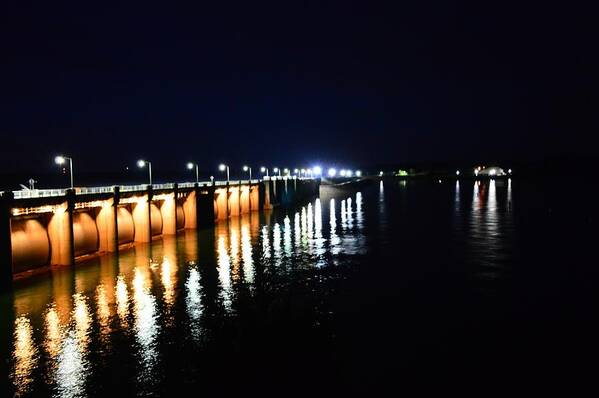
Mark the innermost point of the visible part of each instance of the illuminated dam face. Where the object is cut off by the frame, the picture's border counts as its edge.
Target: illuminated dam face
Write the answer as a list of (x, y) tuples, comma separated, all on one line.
[(59, 230)]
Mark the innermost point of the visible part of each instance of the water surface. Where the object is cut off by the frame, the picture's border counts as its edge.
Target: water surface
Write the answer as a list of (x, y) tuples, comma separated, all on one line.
[(361, 289)]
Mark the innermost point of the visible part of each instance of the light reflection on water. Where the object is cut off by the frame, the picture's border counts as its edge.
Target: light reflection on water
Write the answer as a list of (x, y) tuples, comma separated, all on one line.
[(131, 302)]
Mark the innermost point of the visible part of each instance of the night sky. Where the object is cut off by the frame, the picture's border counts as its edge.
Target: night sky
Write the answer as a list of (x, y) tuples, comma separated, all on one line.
[(291, 85)]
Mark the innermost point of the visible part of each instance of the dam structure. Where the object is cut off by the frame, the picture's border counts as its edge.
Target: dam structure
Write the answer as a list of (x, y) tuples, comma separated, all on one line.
[(59, 227)]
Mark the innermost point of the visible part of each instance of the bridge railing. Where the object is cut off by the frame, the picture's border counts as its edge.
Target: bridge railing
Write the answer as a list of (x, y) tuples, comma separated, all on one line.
[(44, 193), (88, 190), (38, 193), (133, 188)]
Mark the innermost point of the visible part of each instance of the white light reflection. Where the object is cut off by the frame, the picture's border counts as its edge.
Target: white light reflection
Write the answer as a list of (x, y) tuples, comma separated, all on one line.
[(265, 242), (246, 255), (297, 230), (145, 323), (509, 194), (71, 370), (343, 216), (359, 215), (122, 301), (319, 241), (349, 217), (193, 302), (310, 219), (224, 273), (287, 236), (334, 239)]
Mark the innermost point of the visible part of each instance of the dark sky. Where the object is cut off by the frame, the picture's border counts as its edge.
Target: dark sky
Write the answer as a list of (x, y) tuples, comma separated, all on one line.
[(355, 83)]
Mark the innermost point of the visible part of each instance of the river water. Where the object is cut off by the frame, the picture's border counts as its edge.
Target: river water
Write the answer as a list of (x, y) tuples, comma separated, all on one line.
[(380, 286)]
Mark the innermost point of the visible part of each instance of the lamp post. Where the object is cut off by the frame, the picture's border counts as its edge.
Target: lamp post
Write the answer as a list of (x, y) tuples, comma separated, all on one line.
[(60, 159), (247, 168), (224, 167), (277, 170), (264, 170), (190, 166), (141, 163)]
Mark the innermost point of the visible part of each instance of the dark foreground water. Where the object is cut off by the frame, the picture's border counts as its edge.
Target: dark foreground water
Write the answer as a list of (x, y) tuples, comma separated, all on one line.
[(480, 287)]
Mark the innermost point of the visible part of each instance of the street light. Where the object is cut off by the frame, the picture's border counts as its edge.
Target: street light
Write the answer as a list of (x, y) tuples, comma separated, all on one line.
[(381, 173), (332, 172), (224, 167), (60, 159), (358, 173), (247, 168), (190, 166), (277, 170), (286, 171), (264, 170), (317, 170), (142, 163)]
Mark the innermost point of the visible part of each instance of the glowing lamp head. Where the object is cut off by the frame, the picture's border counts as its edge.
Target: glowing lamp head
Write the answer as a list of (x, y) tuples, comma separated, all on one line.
[(332, 172), (457, 172), (59, 160), (303, 170), (509, 171), (286, 171), (317, 170), (222, 167), (343, 173), (190, 165), (245, 168), (263, 169), (381, 173), (141, 163), (349, 173), (276, 169), (296, 171), (358, 173)]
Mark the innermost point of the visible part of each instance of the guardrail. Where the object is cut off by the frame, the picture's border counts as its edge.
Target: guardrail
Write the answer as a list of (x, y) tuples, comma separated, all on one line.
[(38, 193), (44, 193)]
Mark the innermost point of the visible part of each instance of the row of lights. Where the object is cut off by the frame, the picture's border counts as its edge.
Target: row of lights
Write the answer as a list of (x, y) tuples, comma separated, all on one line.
[(344, 173), (310, 172)]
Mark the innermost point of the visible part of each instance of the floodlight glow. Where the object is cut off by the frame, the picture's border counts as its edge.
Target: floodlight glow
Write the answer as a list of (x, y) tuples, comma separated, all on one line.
[(141, 163), (358, 173), (286, 171), (342, 173), (348, 173), (296, 171), (317, 170), (509, 171), (59, 159), (190, 165), (457, 172), (276, 169), (262, 169), (381, 173), (245, 168), (332, 172), (222, 167)]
